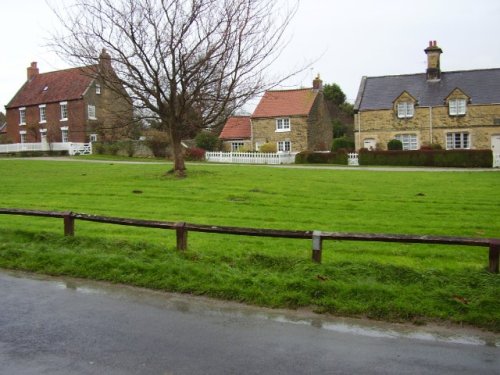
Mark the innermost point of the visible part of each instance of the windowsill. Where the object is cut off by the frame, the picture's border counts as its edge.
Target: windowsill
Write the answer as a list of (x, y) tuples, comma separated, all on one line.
[(282, 130), (24, 124), (43, 122), (93, 118), (63, 119), (459, 115)]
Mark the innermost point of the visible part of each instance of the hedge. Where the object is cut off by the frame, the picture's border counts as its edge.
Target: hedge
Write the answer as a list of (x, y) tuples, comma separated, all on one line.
[(429, 158), (308, 157)]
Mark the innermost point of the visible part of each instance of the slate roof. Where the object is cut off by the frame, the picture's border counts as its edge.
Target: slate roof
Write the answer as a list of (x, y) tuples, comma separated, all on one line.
[(285, 103), (482, 86), (61, 85), (236, 127)]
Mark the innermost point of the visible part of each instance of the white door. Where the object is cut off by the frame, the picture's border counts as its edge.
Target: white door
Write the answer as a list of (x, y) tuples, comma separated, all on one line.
[(370, 144)]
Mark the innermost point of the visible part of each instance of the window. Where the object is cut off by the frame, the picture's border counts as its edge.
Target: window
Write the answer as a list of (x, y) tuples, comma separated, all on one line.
[(64, 111), (22, 135), (282, 124), (93, 137), (22, 116), (457, 107), (457, 140), (284, 146), (236, 146), (43, 135), (405, 110), (64, 134), (98, 89), (409, 141), (43, 113), (91, 112)]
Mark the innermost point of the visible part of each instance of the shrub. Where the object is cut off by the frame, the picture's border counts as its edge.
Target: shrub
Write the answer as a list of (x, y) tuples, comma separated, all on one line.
[(342, 143), (431, 146), (207, 141), (268, 147), (429, 158), (195, 154), (157, 141), (306, 157), (394, 144)]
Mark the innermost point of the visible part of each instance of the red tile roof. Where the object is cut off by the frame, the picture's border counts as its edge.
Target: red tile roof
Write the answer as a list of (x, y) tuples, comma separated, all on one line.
[(285, 103), (61, 85), (236, 127)]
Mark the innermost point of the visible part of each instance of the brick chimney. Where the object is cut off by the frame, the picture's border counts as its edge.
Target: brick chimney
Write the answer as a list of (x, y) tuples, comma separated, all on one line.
[(433, 64), (317, 84), (32, 71)]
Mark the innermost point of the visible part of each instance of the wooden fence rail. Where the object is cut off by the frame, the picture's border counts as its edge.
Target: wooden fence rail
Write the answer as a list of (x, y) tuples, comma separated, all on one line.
[(317, 237)]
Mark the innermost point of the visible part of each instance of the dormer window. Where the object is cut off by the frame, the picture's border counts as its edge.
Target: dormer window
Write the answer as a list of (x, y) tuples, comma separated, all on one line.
[(405, 109), (457, 107)]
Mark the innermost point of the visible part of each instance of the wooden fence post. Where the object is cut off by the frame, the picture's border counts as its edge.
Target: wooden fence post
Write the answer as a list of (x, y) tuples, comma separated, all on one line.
[(181, 235), (494, 255), (69, 224), (317, 246)]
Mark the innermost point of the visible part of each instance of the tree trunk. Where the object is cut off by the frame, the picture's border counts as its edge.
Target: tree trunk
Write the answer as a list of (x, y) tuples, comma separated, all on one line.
[(179, 166)]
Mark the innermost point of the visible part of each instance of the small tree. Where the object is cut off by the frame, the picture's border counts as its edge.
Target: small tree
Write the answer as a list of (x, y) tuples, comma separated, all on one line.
[(394, 145)]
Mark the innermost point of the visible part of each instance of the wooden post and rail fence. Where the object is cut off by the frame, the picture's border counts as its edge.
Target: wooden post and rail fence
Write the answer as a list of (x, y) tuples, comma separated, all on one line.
[(317, 237)]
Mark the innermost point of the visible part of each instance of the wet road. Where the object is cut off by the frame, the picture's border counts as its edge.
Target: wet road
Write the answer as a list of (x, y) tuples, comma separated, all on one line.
[(67, 326)]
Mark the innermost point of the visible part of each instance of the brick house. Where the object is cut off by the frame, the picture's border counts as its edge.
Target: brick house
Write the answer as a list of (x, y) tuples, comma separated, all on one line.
[(294, 120), (457, 110), (68, 105), (237, 134)]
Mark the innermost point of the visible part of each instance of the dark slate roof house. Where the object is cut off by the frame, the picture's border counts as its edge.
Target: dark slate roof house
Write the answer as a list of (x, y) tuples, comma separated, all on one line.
[(456, 109)]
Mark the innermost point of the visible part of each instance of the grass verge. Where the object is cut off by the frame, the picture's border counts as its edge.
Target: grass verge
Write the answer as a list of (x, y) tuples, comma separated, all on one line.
[(395, 282)]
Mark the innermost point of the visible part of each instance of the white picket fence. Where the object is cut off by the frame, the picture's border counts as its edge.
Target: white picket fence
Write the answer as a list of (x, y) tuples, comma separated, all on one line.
[(250, 157), (72, 148)]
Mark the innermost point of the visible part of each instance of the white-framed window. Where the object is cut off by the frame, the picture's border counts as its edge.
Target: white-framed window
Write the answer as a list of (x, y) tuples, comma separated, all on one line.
[(409, 141), (22, 136), (22, 116), (64, 111), (43, 113), (98, 89), (236, 146), (405, 109), (457, 140), (457, 107), (91, 112), (282, 124), (284, 146), (43, 135), (64, 134), (93, 137)]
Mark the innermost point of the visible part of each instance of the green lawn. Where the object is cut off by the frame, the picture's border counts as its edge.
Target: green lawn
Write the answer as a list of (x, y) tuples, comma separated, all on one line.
[(397, 282)]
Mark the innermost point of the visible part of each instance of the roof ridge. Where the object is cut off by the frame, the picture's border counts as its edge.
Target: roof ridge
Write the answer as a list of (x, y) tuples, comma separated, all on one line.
[(443, 72)]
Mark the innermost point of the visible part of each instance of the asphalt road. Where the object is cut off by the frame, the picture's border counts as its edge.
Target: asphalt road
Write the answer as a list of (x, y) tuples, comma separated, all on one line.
[(68, 326)]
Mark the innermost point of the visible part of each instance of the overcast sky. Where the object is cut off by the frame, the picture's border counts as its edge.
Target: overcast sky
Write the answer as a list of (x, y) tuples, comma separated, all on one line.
[(347, 39)]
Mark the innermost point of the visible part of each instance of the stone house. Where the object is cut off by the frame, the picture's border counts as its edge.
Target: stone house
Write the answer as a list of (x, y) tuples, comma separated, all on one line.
[(69, 105), (292, 120), (295, 120), (456, 110), (236, 134)]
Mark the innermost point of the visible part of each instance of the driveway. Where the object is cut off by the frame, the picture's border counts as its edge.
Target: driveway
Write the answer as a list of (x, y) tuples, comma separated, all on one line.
[(69, 326)]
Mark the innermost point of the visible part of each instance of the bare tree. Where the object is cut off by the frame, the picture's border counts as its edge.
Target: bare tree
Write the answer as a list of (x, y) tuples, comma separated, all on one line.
[(184, 63)]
